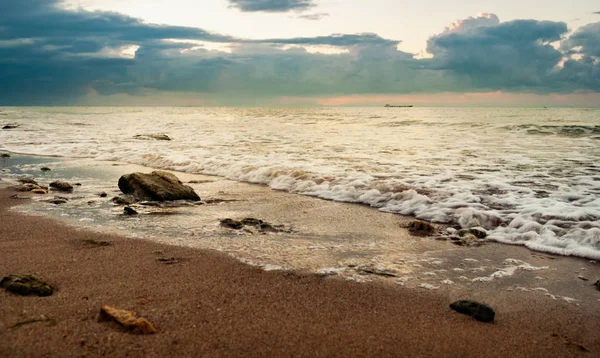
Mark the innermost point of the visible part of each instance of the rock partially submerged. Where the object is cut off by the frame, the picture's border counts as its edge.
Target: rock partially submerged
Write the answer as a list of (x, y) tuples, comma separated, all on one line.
[(45, 169), (418, 227), (61, 186), (129, 320), (10, 126), (27, 181), (156, 186), (26, 285), (123, 200), (479, 311), (475, 231), (158, 136), (129, 211), (4, 155), (260, 225)]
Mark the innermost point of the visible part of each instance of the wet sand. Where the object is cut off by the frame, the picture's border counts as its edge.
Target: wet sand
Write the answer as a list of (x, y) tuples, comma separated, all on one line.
[(209, 304)]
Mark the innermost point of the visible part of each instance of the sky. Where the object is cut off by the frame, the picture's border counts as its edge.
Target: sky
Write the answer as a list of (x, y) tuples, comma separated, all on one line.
[(299, 52)]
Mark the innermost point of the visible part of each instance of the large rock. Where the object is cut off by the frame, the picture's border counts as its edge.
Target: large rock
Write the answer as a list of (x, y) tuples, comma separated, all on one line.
[(61, 186), (479, 311), (156, 186), (26, 285)]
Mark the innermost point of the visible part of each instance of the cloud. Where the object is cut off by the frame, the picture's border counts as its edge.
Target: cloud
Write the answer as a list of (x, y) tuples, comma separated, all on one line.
[(345, 40), (50, 56), (515, 55), (471, 23), (313, 17), (272, 5)]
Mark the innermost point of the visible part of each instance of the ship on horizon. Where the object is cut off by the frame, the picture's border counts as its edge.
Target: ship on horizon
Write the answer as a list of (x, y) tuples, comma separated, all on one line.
[(398, 106)]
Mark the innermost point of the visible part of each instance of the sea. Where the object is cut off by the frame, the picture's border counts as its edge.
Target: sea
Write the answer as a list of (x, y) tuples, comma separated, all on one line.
[(529, 176)]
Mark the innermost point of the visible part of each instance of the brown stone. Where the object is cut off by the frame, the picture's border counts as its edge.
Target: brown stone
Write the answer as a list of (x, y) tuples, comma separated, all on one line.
[(129, 320), (156, 186)]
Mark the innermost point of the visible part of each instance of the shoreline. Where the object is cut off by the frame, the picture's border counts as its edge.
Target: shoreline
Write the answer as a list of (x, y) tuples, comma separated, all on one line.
[(211, 304)]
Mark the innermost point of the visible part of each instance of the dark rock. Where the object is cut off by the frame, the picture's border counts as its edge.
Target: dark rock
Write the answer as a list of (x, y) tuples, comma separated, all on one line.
[(103, 195), (27, 181), (232, 224), (77, 184), (152, 136), (93, 243), (129, 211), (4, 155), (156, 186), (39, 191), (479, 311), (61, 186), (57, 200), (168, 261), (123, 200), (418, 227), (10, 126), (45, 169), (252, 221), (597, 284), (25, 187), (17, 196), (478, 233), (26, 285)]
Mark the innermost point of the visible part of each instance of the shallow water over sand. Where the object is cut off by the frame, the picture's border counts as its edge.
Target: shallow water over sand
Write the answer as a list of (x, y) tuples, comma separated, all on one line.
[(530, 176)]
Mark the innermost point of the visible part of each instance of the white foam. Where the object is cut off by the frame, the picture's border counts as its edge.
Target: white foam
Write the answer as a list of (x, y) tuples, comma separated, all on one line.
[(538, 191)]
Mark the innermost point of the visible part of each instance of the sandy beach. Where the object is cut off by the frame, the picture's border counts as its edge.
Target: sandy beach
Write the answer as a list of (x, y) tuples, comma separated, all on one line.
[(209, 304)]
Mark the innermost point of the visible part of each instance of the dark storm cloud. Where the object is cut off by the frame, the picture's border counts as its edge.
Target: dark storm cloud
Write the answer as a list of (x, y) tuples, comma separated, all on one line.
[(49, 55), (272, 5), (513, 55)]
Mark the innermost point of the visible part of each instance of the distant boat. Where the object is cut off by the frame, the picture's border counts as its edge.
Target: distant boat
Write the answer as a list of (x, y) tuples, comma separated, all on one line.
[(398, 106)]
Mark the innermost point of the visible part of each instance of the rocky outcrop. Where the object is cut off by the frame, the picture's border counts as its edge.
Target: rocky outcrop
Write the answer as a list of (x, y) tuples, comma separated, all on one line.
[(156, 186), (479, 311), (61, 186), (26, 285)]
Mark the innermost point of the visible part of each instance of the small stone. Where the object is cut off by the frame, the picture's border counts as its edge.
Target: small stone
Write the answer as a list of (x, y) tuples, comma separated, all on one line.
[(129, 211), (26, 285), (103, 195), (597, 284), (10, 126), (61, 186), (232, 224), (129, 320), (582, 278), (45, 169), (479, 311), (123, 200), (152, 136), (27, 181), (4, 155), (39, 191)]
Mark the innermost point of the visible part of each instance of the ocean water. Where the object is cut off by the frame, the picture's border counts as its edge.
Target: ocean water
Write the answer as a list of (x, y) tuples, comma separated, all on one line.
[(528, 176)]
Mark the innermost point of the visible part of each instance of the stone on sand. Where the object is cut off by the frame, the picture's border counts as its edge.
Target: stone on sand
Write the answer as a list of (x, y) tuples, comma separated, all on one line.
[(129, 320), (479, 311), (156, 186), (421, 228), (61, 186), (26, 285)]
